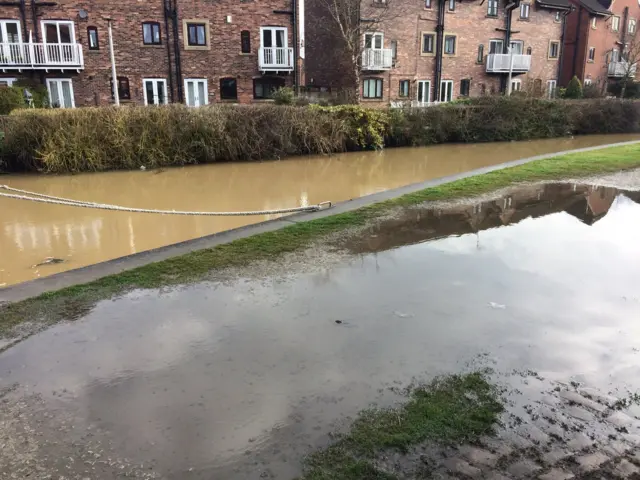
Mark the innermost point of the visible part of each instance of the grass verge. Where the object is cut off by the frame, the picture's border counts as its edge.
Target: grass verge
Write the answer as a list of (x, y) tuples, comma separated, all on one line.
[(73, 302), (451, 410)]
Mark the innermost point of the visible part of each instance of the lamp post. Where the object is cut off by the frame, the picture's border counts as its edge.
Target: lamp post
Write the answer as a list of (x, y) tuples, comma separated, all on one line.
[(114, 75)]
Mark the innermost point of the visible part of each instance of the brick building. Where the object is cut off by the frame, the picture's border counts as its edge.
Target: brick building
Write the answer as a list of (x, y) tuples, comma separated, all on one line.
[(190, 51), (440, 50), (598, 37)]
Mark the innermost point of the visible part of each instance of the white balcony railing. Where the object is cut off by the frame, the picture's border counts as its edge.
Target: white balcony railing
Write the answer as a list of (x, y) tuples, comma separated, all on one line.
[(500, 62), (621, 69), (377, 59), (41, 56), (275, 59)]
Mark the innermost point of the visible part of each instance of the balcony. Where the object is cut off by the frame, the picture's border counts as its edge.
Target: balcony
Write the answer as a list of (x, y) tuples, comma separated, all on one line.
[(500, 62), (275, 59), (621, 69), (41, 56), (377, 59)]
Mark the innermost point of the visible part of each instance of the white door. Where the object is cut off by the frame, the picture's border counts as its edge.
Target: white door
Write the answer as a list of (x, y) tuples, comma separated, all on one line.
[(517, 47), (196, 92), (424, 91), (374, 41), (155, 91), (60, 93), (59, 39), (275, 45), (11, 40), (495, 46), (446, 90)]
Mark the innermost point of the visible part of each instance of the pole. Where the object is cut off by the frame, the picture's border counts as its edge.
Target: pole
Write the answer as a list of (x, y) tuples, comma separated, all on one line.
[(114, 75), (510, 71)]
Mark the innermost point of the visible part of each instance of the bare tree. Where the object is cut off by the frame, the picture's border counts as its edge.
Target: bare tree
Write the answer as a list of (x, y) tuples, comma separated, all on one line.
[(349, 22), (626, 65)]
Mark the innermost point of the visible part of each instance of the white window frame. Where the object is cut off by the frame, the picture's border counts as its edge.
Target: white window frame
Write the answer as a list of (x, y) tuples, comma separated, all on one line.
[(587, 81), (499, 42), (591, 58), (446, 86), (516, 85), (373, 36), (631, 27), (3, 28), (615, 55), (551, 88), (519, 43), (426, 87), (8, 80), (58, 83), (615, 23), (273, 30), (196, 81), (594, 22), (445, 36), (552, 42), (525, 10), (558, 17), (155, 90), (57, 23), (367, 81), (492, 6)]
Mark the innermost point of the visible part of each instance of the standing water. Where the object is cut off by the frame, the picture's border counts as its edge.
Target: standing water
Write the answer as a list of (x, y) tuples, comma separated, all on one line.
[(32, 232)]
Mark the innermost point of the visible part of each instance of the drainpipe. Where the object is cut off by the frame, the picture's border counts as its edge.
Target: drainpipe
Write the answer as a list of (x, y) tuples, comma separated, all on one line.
[(294, 20), (176, 46), (576, 43), (623, 27), (23, 17), (166, 29), (439, 48), (508, 10), (112, 57), (562, 37)]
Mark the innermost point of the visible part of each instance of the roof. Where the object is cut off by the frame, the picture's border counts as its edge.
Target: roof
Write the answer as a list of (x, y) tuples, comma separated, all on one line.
[(599, 7), (555, 4)]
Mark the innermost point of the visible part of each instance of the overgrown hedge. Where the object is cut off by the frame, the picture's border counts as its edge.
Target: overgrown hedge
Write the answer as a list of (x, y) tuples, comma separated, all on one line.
[(94, 139)]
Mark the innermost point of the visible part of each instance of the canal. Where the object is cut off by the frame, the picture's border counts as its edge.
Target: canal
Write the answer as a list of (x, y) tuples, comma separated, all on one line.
[(31, 232)]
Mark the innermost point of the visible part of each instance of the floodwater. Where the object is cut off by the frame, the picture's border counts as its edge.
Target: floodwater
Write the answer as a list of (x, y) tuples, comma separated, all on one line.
[(239, 380), (30, 232)]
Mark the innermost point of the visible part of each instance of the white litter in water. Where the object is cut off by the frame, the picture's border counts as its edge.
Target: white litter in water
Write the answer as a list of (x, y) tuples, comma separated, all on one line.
[(403, 315), (497, 306)]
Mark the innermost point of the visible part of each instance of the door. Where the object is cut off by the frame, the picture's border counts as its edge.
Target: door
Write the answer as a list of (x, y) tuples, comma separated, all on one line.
[(155, 91), (59, 38), (373, 44), (517, 47), (446, 90), (197, 92), (496, 46), (11, 41), (275, 45), (424, 91), (60, 93)]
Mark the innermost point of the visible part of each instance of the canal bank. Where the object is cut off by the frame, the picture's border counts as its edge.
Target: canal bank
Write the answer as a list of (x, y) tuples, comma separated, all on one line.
[(71, 294)]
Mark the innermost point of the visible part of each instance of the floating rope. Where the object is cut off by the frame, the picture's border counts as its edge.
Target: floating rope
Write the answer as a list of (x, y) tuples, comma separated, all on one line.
[(50, 199)]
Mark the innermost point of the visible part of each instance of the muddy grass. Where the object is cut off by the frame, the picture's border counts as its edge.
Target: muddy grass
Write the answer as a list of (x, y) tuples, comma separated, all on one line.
[(450, 410), (73, 302)]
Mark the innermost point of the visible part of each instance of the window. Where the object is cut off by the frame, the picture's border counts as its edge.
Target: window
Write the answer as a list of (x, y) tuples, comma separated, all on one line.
[(372, 88), (615, 24), (427, 3), (264, 87), (558, 17), (529, 51), (228, 89), (60, 93), (524, 11), (516, 85), (92, 36), (196, 34), (449, 44), (592, 54), (428, 43), (10, 31), (424, 91), (124, 93), (452, 5), (245, 41), (465, 86), (7, 82), (446, 90), (615, 55), (480, 58), (394, 51), (516, 47), (594, 22), (554, 49), (587, 81), (492, 8), (374, 41), (632, 26), (274, 45), (404, 88), (551, 88), (197, 92), (155, 91), (496, 46), (151, 33)]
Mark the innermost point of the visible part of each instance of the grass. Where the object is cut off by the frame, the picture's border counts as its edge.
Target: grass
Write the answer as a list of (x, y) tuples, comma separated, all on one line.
[(72, 302), (450, 410)]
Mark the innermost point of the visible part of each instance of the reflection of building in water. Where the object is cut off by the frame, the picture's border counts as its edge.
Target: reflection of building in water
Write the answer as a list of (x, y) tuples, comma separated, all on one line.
[(44, 237)]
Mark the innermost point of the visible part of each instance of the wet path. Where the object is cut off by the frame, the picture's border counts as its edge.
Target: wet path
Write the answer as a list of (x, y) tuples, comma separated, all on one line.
[(240, 380), (31, 232)]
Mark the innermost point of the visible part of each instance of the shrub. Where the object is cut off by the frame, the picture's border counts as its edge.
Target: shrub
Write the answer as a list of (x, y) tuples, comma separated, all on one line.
[(284, 96), (574, 89), (10, 99), (593, 90)]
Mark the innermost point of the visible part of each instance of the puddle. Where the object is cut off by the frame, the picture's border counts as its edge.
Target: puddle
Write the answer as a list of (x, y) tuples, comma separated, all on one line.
[(242, 380)]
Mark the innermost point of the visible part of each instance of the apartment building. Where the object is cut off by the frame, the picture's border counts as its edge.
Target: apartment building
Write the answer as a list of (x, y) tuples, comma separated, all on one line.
[(424, 51), (598, 37), (188, 51)]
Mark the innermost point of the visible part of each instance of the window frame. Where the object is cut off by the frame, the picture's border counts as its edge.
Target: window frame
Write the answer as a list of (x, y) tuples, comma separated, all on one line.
[(587, 81), (373, 36), (451, 5), (525, 11), (433, 44), (615, 19), (558, 17), (58, 82), (93, 30), (594, 22), (497, 41), (57, 23), (152, 26), (17, 24), (518, 82), (365, 91), (196, 82), (427, 4), (591, 55), (449, 90), (228, 98), (245, 41), (467, 82), (551, 90), (122, 95), (455, 44), (404, 92), (279, 80), (155, 81), (426, 88), (549, 50), (197, 26), (494, 3), (480, 56), (630, 22)]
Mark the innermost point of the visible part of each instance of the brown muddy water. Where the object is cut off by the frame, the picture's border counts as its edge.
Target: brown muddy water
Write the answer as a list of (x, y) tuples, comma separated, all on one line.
[(241, 379), (31, 232)]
